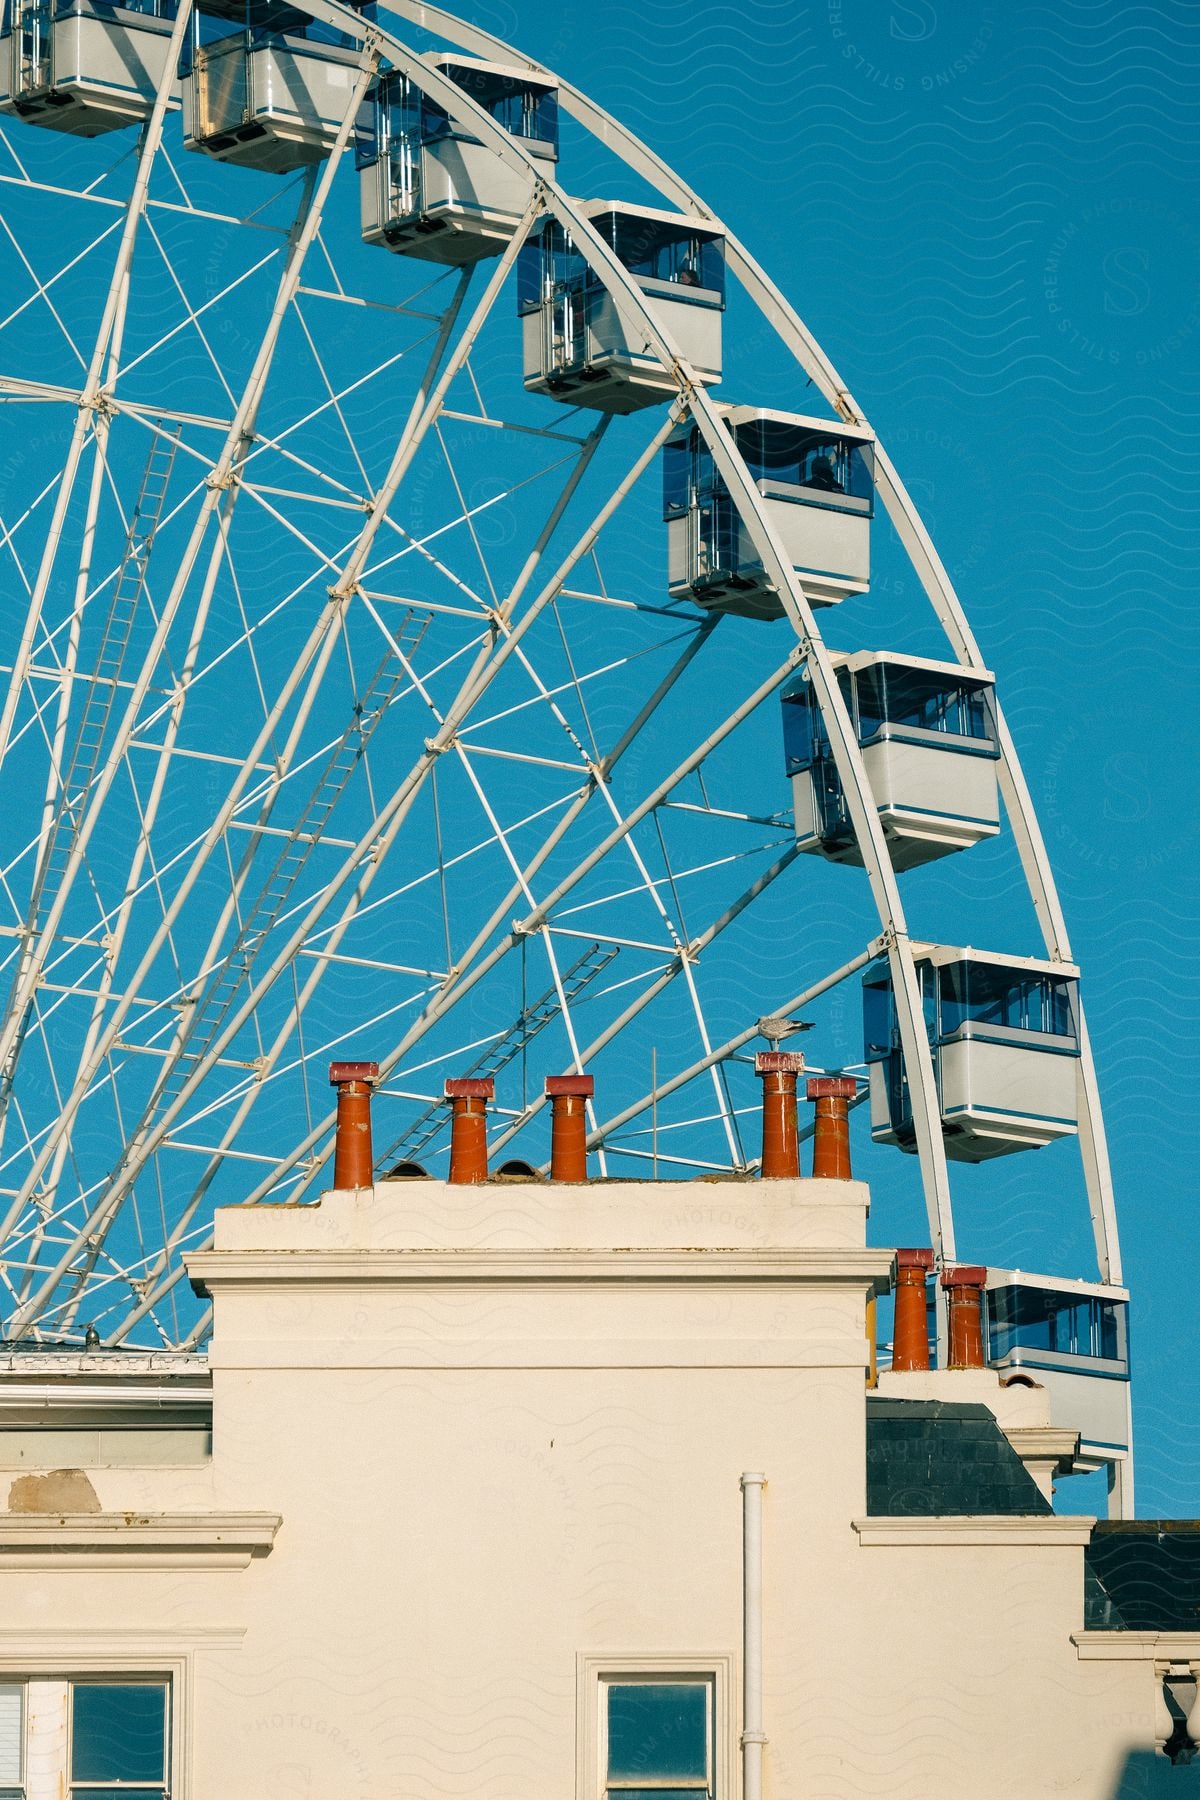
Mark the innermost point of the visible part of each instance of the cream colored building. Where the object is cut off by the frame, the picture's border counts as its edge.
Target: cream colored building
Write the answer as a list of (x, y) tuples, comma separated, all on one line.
[(492, 1471)]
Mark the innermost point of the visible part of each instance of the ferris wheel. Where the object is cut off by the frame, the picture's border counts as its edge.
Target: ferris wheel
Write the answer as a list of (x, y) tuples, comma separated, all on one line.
[(413, 647)]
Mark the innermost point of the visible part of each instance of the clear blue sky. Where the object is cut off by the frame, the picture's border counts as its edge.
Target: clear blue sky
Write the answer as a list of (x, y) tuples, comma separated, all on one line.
[(988, 216)]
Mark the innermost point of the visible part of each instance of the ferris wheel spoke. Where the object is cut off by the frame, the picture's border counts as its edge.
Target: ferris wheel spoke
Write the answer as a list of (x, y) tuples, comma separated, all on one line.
[(193, 315), (42, 288)]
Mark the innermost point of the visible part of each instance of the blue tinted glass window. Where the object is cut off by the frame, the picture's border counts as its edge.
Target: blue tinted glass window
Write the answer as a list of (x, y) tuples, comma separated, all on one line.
[(868, 686), (1005, 998), (520, 109), (798, 730), (118, 1734), (1041, 1319), (677, 475), (110, 1793), (547, 263), (797, 456), (529, 275), (658, 250), (1109, 1325), (657, 1732), (1059, 1013), (931, 702), (878, 1017)]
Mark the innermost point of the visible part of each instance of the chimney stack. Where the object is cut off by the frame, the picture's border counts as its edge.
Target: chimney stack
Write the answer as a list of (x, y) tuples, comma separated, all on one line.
[(964, 1287), (910, 1332), (778, 1069), (568, 1096), (353, 1163), (831, 1127), (468, 1097)]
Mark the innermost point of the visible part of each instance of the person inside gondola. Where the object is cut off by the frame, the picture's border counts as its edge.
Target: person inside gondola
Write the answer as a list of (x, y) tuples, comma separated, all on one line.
[(822, 476)]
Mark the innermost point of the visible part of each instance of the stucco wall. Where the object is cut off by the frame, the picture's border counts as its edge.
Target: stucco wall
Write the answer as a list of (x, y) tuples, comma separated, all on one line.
[(504, 1428)]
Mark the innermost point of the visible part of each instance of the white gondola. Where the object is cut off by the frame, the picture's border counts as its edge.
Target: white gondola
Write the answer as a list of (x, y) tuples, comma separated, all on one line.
[(580, 347), (1004, 1037), (270, 95), (816, 479), (1072, 1338), (927, 731), (431, 190), (82, 66)]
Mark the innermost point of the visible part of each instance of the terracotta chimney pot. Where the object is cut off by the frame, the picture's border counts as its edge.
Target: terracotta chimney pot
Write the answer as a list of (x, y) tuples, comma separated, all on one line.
[(910, 1332), (468, 1096), (568, 1096), (353, 1161), (777, 1070), (964, 1287), (831, 1127)]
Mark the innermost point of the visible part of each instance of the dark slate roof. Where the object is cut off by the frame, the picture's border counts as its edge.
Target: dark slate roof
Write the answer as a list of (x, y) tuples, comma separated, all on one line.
[(936, 1458), (1143, 1575)]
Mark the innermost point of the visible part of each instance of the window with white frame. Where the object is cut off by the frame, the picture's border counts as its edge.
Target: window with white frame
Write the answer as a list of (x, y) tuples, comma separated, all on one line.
[(93, 1738), (656, 1737)]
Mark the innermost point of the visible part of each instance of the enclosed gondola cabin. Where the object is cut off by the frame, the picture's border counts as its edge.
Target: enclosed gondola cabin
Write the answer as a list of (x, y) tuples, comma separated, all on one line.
[(270, 95), (580, 347), (83, 66), (927, 731), (816, 480), (1004, 1038), (431, 189), (1072, 1338)]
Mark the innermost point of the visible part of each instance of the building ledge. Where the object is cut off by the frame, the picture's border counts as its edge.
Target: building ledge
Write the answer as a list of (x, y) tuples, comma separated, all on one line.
[(997, 1529), (1043, 1443), (385, 1268), (131, 1540), (1137, 1646)]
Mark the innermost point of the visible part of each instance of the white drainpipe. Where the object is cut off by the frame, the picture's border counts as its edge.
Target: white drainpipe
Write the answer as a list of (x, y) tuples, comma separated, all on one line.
[(753, 1737)]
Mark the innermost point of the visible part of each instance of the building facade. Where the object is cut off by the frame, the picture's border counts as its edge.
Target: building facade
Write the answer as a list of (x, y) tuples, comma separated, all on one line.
[(549, 1491)]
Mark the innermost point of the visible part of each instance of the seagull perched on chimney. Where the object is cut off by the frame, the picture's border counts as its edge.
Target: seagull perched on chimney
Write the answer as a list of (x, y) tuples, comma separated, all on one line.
[(775, 1030)]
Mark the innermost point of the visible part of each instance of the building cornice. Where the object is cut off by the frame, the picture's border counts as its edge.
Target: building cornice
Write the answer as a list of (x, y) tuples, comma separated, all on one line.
[(133, 1540), (1036, 1443), (1137, 1646), (264, 1269), (998, 1529)]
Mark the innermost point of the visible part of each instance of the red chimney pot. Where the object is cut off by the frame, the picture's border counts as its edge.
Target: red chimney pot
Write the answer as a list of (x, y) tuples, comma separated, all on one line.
[(910, 1331), (778, 1070), (468, 1096), (964, 1287), (568, 1096), (353, 1160), (831, 1127)]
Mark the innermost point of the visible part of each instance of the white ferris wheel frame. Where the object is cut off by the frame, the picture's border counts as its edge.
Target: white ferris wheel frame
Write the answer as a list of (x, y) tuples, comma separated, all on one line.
[(95, 407)]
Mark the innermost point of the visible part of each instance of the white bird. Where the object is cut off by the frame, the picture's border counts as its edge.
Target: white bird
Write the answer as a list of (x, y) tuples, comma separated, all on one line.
[(774, 1029)]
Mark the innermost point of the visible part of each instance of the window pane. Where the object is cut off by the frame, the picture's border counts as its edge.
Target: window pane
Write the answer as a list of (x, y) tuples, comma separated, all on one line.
[(878, 1016), (656, 1793), (657, 1731), (111, 1793), (11, 1712), (797, 730), (118, 1733), (1109, 1345)]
